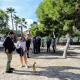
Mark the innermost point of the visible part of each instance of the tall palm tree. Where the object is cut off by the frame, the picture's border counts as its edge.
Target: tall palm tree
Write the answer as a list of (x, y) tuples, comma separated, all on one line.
[(17, 22), (23, 25), (10, 10)]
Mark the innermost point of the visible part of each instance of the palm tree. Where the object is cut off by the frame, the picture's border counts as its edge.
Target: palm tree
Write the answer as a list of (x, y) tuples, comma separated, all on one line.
[(17, 22), (23, 25), (10, 10)]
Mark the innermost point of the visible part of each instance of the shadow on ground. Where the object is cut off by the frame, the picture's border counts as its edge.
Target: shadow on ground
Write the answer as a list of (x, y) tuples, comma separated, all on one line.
[(74, 48), (57, 55), (54, 72)]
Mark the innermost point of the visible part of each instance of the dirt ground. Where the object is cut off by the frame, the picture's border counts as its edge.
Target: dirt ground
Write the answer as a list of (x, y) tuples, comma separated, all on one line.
[(49, 66)]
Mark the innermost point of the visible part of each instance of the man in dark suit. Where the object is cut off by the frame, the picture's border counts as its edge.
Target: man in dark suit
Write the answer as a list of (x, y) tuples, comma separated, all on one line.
[(38, 44), (48, 44), (9, 48), (35, 45)]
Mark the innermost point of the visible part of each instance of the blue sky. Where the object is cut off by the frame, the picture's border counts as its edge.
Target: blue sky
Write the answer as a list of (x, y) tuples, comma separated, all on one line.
[(24, 8)]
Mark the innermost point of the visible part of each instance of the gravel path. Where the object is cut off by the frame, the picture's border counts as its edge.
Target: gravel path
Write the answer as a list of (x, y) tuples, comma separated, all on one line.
[(49, 67)]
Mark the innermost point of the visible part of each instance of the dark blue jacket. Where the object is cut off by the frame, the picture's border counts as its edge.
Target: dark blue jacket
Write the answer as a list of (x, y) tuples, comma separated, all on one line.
[(8, 44)]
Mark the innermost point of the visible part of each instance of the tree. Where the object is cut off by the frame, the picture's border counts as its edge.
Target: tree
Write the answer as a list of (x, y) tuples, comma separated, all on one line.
[(3, 22), (17, 22), (36, 29), (3, 19), (61, 17), (22, 24), (33, 29), (10, 10), (77, 16), (5, 31), (48, 14)]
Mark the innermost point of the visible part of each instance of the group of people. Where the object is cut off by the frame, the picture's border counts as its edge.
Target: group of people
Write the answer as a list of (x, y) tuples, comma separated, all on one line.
[(22, 47), (36, 44)]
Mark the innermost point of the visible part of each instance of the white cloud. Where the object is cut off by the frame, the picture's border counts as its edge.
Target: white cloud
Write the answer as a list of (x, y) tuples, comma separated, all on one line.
[(29, 21)]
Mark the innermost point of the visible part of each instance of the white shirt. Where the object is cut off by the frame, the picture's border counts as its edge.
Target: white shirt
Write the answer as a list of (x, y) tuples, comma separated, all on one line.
[(21, 44)]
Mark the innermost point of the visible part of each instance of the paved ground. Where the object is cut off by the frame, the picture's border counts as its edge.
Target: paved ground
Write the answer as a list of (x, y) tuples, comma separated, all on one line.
[(49, 66)]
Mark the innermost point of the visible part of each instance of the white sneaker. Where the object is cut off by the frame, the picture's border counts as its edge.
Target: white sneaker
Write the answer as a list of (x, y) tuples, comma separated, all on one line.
[(26, 66), (21, 66)]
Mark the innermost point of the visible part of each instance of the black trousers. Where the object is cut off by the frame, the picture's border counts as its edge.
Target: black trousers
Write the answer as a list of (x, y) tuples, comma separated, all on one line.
[(53, 48), (48, 48), (35, 49), (27, 51)]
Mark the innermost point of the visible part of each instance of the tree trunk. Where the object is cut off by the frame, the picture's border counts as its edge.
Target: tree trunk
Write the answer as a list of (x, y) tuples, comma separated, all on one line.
[(12, 22), (66, 47), (16, 28), (21, 31), (78, 40), (58, 40)]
